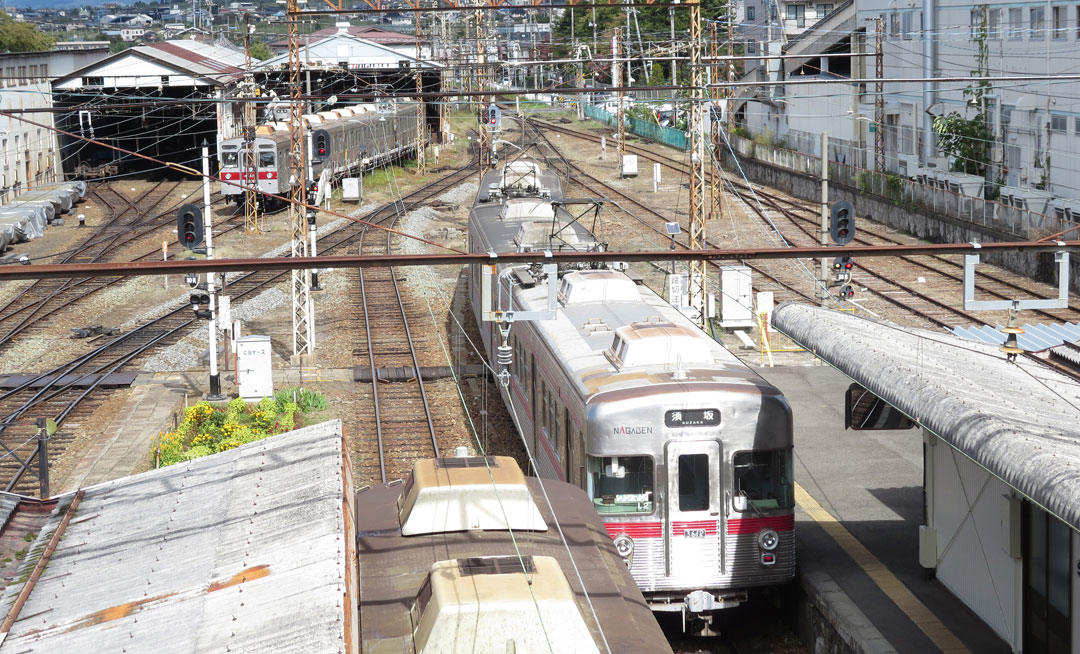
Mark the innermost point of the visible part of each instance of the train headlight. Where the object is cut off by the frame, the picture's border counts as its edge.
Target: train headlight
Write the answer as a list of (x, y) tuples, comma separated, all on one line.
[(768, 540), (624, 545)]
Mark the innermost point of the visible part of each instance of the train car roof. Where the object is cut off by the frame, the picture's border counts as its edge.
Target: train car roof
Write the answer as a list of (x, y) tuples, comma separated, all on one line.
[(393, 568), (670, 348)]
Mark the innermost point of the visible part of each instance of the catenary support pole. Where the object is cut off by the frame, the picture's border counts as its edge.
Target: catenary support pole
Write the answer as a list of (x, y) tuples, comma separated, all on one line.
[(208, 219)]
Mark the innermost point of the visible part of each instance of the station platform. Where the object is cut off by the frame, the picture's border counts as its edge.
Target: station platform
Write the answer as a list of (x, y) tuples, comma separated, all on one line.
[(859, 506)]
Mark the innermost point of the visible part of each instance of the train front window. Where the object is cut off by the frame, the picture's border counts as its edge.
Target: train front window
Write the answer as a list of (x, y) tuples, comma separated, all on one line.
[(266, 159), (229, 158), (621, 484), (762, 481)]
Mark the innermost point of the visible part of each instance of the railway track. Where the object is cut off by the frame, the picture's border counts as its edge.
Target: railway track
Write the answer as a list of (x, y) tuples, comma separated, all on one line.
[(934, 299), (38, 306), (71, 391)]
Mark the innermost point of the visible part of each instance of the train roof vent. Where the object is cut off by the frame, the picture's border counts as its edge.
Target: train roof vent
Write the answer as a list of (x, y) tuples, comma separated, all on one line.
[(470, 601), (518, 208), (596, 326), (597, 286), (536, 235), (467, 493), (658, 343)]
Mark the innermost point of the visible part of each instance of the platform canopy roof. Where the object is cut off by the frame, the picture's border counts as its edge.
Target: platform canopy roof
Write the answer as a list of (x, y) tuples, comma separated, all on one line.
[(352, 51), (242, 551), (1020, 420), (169, 63)]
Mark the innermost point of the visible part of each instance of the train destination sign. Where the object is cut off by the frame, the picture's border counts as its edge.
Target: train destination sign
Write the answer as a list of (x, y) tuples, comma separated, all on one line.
[(692, 418)]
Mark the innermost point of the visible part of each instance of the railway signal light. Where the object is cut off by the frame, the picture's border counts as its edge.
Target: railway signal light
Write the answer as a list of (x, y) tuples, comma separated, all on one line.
[(842, 222), (847, 292), (312, 193), (842, 267), (189, 226), (322, 143)]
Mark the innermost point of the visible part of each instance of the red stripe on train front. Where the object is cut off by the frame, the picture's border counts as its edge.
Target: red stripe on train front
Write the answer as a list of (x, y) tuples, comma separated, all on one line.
[(754, 525), (635, 529)]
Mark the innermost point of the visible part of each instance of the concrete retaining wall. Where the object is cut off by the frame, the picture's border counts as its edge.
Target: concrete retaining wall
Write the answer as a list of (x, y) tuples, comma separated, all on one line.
[(932, 227)]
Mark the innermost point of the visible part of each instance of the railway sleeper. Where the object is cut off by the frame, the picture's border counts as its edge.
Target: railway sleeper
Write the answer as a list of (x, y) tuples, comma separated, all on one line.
[(408, 373)]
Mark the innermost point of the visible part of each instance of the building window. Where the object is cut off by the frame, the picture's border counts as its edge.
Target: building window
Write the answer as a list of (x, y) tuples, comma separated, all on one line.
[(993, 24), (1016, 27), (751, 47), (1076, 125), (1038, 29), (45, 72), (93, 81), (1059, 22), (894, 24), (976, 22), (797, 13), (905, 24), (1059, 124), (824, 10), (750, 13)]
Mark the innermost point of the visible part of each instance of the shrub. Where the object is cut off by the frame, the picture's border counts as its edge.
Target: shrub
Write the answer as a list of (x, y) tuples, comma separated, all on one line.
[(207, 429)]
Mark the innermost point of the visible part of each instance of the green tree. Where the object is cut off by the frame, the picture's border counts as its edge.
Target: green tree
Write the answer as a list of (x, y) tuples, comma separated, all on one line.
[(22, 37), (260, 51), (653, 22), (967, 140)]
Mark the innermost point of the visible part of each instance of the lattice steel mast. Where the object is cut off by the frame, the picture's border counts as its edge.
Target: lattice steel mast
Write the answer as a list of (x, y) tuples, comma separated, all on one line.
[(716, 209), (303, 343), (421, 131), (481, 85), (617, 81), (697, 162), (879, 100), (251, 205)]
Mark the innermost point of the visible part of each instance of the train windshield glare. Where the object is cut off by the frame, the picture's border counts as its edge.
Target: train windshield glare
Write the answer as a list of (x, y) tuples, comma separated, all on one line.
[(229, 158), (762, 481), (266, 158), (621, 484)]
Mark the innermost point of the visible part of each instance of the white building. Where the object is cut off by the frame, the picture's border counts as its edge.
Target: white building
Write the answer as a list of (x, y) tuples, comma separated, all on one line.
[(1034, 126), (29, 153)]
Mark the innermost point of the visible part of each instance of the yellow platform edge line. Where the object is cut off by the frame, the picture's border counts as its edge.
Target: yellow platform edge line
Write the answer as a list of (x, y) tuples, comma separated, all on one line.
[(890, 584)]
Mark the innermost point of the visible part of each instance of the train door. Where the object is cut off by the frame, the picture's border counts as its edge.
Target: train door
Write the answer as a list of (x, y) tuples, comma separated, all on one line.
[(693, 508)]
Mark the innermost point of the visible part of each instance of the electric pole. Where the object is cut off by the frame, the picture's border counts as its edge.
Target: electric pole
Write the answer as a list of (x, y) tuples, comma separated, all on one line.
[(715, 204), (421, 127), (616, 80), (698, 287), (879, 100), (481, 85), (251, 201), (301, 279)]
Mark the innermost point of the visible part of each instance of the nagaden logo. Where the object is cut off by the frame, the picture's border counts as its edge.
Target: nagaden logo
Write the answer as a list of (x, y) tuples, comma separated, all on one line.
[(623, 430)]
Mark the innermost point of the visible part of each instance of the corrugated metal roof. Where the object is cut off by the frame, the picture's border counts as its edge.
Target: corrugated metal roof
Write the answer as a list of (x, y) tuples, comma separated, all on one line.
[(242, 550), (201, 59), (1020, 420), (1035, 338)]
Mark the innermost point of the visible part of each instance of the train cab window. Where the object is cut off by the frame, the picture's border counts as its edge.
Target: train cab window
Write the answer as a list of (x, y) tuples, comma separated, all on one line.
[(621, 484), (229, 158), (762, 481), (694, 482), (266, 159)]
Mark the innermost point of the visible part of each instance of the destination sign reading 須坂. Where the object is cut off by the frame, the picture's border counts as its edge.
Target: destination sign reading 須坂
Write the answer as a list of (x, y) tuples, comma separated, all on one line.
[(692, 418)]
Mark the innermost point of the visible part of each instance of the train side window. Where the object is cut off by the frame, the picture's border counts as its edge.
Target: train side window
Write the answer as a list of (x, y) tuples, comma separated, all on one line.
[(762, 480), (229, 158), (266, 159), (694, 482)]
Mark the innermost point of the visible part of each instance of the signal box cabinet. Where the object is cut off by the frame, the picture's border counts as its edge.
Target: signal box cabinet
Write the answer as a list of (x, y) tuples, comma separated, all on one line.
[(254, 367)]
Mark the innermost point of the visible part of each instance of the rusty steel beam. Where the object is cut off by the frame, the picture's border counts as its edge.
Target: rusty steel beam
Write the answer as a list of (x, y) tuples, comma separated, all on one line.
[(142, 268)]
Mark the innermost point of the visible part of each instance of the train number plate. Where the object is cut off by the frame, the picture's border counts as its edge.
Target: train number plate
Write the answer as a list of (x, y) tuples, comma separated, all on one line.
[(694, 533)]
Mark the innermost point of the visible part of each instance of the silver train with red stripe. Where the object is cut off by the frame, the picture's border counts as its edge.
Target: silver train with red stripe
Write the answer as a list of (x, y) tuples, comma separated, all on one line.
[(685, 452), (346, 140)]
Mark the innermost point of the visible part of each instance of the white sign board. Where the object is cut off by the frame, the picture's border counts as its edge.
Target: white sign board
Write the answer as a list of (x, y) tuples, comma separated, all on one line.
[(254, 368), (737, 301), (224, 316), (629, 165), (350, 189), (677, 284)]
